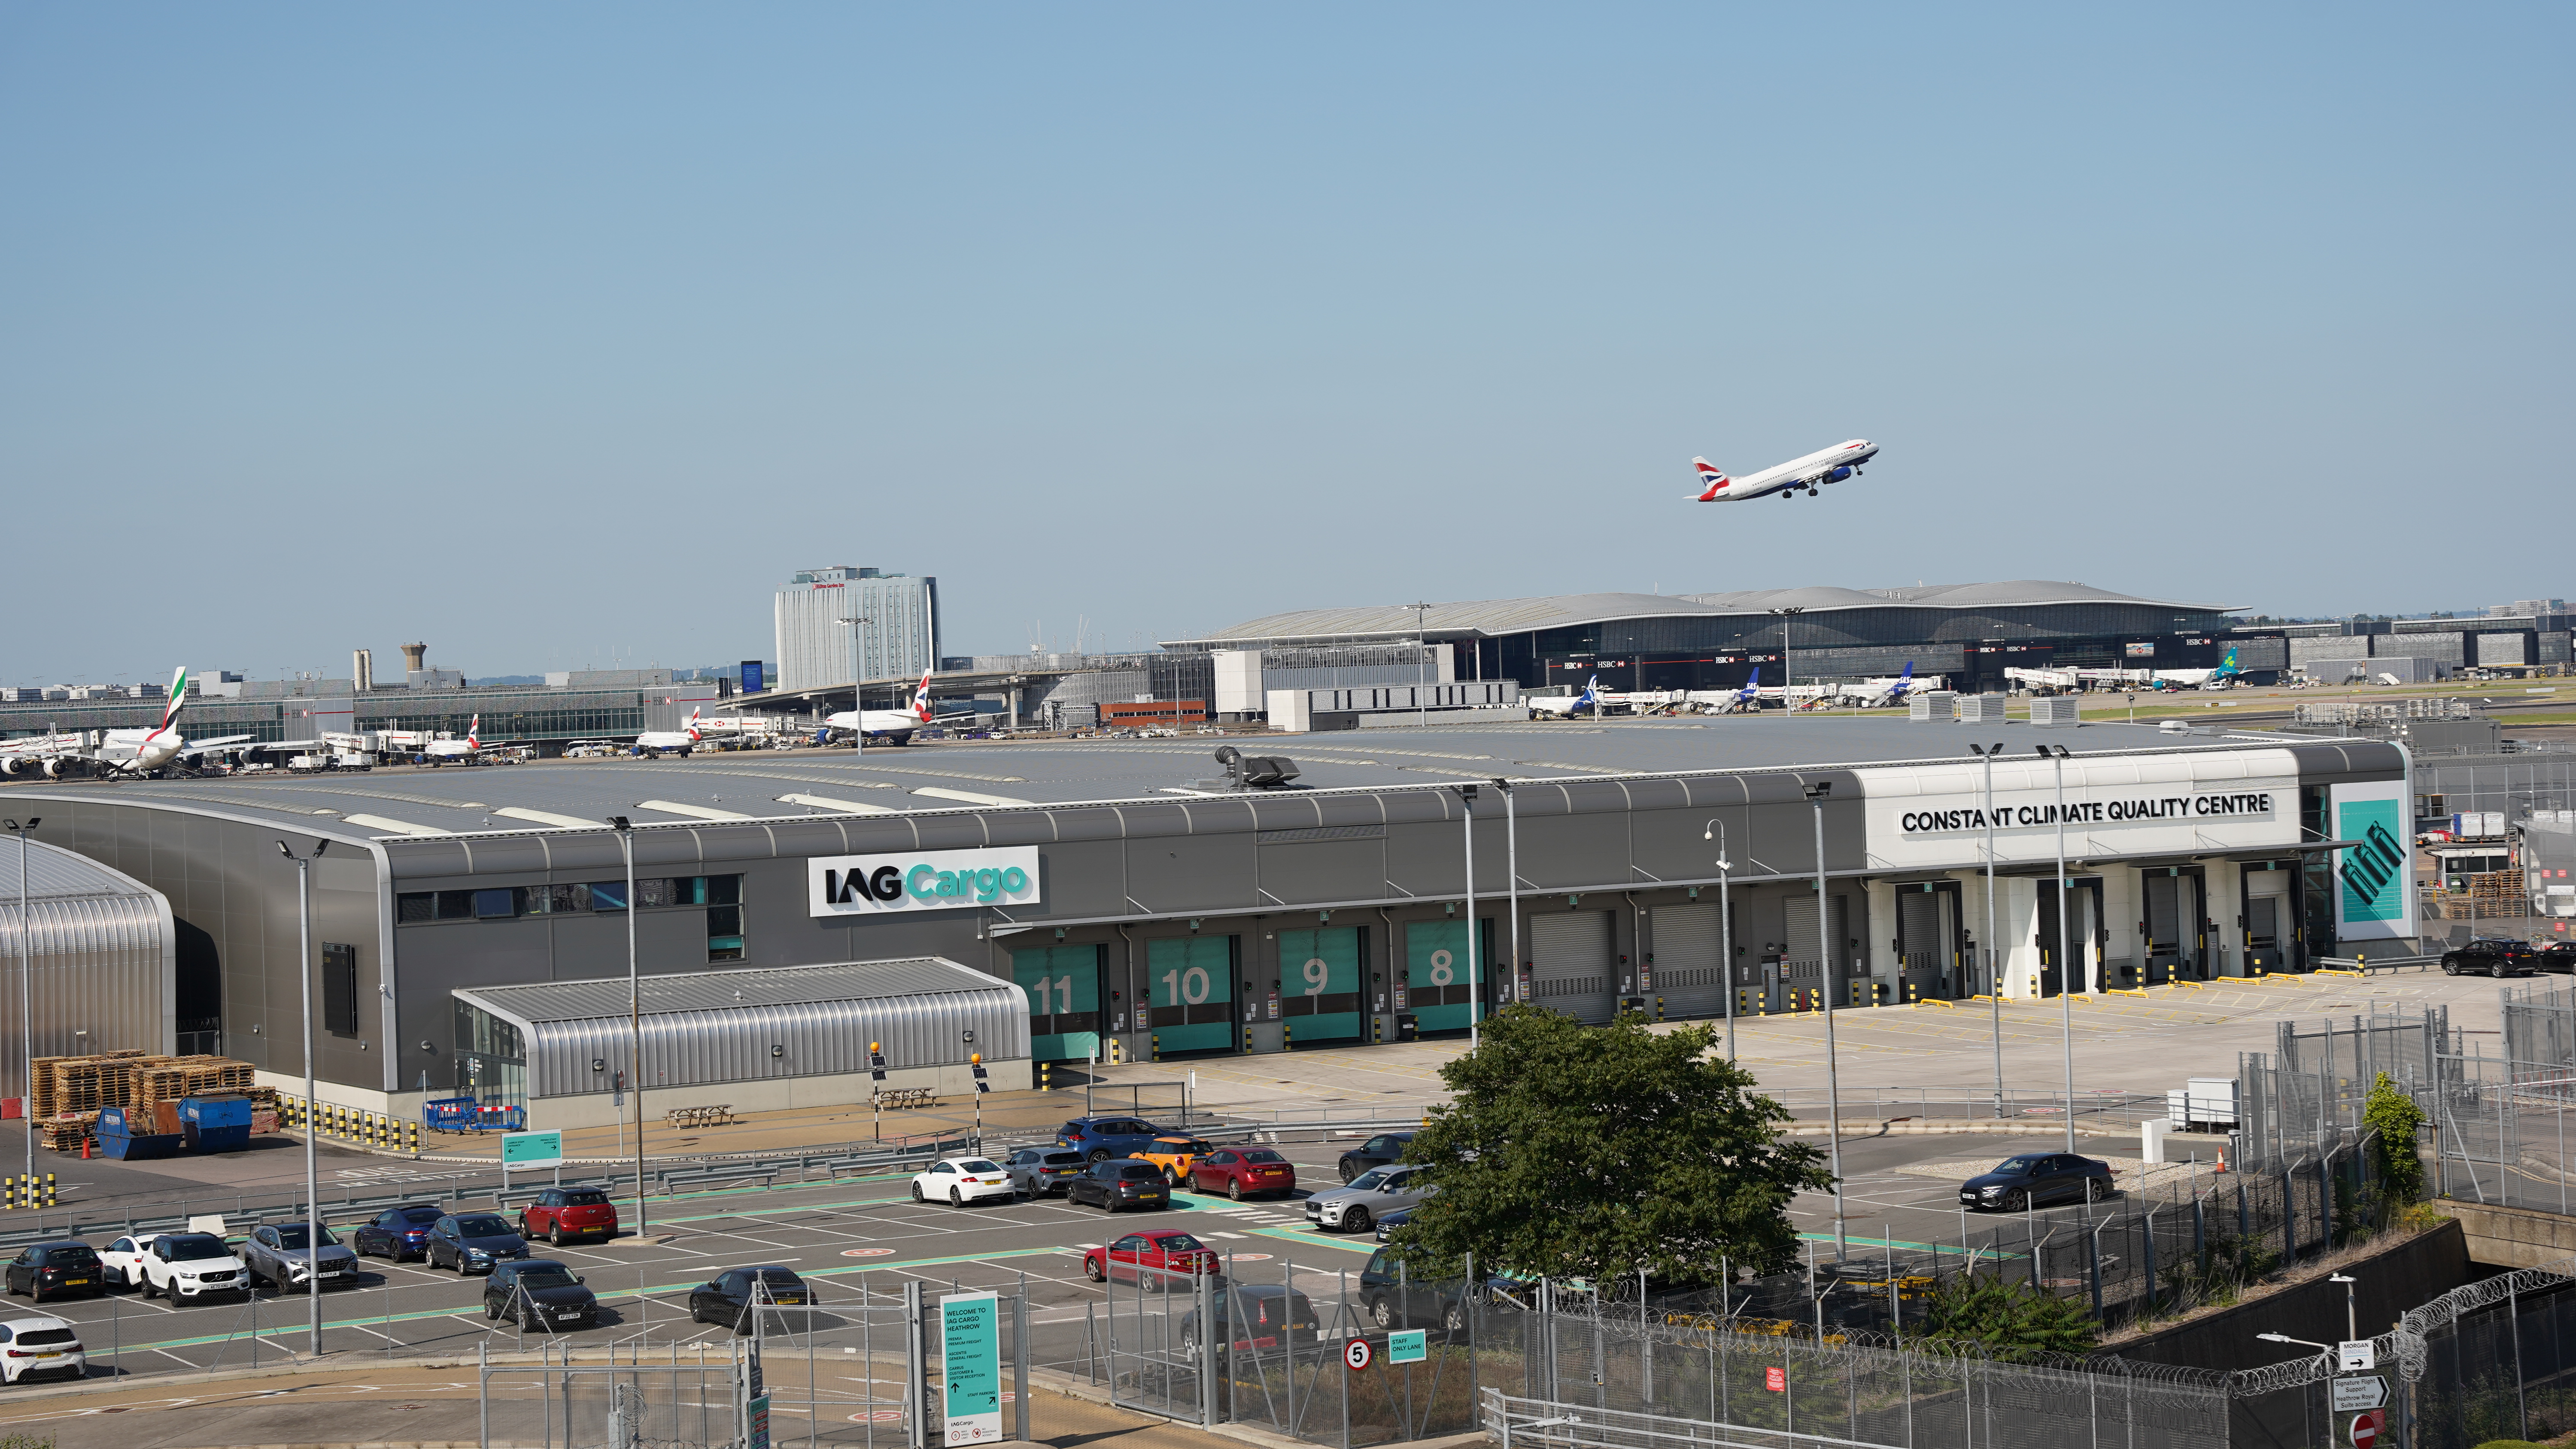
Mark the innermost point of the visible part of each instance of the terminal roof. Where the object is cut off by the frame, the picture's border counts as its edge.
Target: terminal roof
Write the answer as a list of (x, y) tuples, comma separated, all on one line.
[(783, 784)]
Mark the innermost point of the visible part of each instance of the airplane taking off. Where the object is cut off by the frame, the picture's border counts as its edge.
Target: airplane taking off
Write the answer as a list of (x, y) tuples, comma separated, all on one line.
[(1830, 466), (897, 725), (126, 752)]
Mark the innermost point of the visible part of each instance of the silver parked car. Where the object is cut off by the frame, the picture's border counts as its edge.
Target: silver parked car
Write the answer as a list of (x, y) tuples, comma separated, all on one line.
[(1043, 1171), (281, 1256), (1375, 1192)]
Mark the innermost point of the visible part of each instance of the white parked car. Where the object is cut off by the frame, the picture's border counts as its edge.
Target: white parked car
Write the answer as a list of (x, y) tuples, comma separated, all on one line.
[(175, 1265), (958, 1181), (39, 1343)]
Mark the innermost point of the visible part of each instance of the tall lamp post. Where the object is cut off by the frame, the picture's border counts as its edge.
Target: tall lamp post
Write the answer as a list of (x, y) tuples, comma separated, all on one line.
[(858, 691), (27, 989), (1994, 962), (1817, 794), (1511, 893), (304, 994), (1467, 816), (1788, 697), (1716, 830), (1422, 685), (634, 1011), (2056, 757)]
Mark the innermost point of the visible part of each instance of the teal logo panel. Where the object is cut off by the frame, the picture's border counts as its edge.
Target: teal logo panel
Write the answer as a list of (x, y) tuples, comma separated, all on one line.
[(2373, 874)]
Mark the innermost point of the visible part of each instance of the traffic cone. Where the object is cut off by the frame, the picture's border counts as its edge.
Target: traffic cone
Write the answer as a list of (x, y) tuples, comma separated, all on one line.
[(2222, 1160), (84, 1147)]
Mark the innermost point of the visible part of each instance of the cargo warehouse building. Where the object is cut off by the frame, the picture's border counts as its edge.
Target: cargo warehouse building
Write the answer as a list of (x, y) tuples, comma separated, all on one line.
[(1057, 900)]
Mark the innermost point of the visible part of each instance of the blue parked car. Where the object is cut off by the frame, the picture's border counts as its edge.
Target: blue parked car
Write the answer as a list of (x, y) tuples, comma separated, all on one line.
[(397, 1233), (2017, 1183), (467, 1241), (1101, 1138)]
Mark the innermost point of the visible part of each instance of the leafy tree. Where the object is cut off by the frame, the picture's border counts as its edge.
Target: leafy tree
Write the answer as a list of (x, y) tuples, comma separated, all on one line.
[(2011, 1320), (1591, 1152), (2394, 1116)]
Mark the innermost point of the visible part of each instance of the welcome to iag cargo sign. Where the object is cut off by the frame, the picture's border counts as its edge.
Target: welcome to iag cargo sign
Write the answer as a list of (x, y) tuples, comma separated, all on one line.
[(923, 880)]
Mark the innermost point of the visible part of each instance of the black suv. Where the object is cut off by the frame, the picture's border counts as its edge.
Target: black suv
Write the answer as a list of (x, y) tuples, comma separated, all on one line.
[(1378, 1151), (2501, 956), (1396, 1298), (2556, 956), (1117, 1184)]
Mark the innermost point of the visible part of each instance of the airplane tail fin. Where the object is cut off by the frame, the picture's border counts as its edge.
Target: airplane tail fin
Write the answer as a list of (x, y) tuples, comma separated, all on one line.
[(921, 698), (692, 725), (1712, 480), (170, 706), (473, 727)]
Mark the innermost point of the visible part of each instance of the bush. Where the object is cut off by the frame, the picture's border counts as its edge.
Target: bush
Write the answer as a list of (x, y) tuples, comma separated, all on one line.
[(2013, 1321), (2396, 1119)]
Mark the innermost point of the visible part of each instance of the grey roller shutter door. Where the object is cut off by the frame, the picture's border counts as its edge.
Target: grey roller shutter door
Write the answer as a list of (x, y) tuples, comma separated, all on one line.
[(1690, 975), (1806, 953), (1570, 964), (1919, 921)]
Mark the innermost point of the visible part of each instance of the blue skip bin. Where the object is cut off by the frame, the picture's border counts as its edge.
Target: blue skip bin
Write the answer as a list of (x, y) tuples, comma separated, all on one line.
[(215, 1124), (117, 1140)]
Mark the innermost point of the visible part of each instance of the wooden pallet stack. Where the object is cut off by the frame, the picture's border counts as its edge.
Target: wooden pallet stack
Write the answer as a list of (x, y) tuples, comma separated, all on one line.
[(154, 1080), (80, 1084)]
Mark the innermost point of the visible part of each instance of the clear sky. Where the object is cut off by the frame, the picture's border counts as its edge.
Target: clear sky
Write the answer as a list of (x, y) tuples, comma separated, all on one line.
[(556, 334)]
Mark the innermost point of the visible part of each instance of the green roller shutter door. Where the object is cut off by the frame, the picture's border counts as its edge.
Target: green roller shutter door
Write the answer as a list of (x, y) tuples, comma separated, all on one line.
[(1063, 987), (1192, 990), (1320, 976), (1436, 988)]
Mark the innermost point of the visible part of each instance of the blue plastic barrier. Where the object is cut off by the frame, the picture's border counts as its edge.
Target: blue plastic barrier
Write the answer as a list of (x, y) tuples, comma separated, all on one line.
[(465, 1114)]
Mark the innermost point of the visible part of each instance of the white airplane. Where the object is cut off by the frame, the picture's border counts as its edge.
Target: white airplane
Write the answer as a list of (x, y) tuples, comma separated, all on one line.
[(1885, 691), (468, 751), (1563, 706), (2223, 677), (125, 752), (670, 742), (1829, 466), (896, 725)]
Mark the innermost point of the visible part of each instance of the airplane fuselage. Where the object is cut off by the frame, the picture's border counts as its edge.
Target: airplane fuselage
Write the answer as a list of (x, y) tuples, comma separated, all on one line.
[(1828, 465)]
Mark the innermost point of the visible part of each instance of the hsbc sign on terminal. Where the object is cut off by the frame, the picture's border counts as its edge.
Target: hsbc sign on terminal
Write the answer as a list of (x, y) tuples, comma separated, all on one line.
[(922, 880)]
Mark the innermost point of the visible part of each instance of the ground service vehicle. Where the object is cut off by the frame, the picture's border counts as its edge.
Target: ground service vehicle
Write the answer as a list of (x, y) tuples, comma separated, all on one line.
[(2037, 1177), (1114, 1185)]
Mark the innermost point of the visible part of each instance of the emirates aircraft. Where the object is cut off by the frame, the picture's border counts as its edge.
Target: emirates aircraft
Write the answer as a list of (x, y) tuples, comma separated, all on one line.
[(114, 753), (1832, 465)]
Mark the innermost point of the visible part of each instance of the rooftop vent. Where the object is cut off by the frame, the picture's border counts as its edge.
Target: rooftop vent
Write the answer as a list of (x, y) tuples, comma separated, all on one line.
[(1251, 772)]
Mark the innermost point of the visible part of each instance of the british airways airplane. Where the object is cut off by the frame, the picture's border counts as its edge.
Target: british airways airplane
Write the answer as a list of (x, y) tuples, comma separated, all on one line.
[(1830, 466)]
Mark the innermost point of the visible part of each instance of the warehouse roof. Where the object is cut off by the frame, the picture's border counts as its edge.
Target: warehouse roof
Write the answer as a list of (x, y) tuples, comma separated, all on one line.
[(55, 874), (754, 786), (547, 1001)]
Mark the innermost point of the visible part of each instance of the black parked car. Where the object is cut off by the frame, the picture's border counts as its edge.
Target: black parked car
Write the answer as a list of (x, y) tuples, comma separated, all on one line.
[(1101, 1138), (54, 1269), (539, 1293), (2501, 956), (2037, 1177), (2556, 956), (397, 1233), (1270, 1313), (1402, 1298), (1378, 1151), (467, 1241), (1119, 1184), (733, 1296)]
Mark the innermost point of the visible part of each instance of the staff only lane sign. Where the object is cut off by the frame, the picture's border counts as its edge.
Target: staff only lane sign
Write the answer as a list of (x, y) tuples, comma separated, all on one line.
[(922, 880)]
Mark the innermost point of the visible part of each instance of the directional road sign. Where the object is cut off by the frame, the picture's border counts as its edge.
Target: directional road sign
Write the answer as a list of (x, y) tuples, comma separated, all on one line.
[(2370, 1393)]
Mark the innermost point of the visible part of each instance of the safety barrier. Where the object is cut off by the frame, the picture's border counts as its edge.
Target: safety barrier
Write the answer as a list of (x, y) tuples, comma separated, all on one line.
[(24, 1190), (350, 1124), (465, 1114)]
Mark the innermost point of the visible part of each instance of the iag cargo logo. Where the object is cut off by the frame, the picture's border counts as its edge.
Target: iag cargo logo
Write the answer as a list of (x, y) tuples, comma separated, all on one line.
[(2373, 872), (923, 880)]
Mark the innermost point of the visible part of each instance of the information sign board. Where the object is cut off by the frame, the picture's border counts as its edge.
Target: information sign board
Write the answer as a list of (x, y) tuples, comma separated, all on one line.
[(970, 1336)]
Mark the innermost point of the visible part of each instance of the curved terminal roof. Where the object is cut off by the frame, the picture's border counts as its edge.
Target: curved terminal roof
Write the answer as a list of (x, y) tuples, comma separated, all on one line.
[(1517, 616)]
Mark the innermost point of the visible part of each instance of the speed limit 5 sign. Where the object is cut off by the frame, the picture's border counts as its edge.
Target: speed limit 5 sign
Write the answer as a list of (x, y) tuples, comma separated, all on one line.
[(1357, 1354)]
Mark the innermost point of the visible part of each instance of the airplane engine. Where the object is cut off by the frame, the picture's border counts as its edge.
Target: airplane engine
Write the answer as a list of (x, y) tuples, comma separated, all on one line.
[(1839, 474), (12, 765)]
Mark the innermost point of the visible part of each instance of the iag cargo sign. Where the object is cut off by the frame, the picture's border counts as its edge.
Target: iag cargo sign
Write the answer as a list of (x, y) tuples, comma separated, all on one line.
[(922, 880)]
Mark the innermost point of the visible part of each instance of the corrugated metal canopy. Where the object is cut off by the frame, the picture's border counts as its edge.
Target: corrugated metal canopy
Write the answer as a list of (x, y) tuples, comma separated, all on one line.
[(104, 952), (707, 1027), (1488, 616)]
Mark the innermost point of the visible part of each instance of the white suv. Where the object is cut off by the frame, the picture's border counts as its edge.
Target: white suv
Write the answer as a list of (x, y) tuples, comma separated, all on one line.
[(177, 1265)]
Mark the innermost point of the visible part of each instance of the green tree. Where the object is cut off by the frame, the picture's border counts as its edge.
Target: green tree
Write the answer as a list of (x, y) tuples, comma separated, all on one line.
[(2011, 1320), (1590, 1152), (2393, 1114)]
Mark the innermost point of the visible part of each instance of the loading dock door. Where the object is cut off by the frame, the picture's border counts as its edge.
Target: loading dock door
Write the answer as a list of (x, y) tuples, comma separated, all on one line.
[(2267, 919), (1192, 990), (2173, 926), (1436, 989), (1812, 962), (1570, 965), (1690, 975), (1319, 984), (1063, 986)]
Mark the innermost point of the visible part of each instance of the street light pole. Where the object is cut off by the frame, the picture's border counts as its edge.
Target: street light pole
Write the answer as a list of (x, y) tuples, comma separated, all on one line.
[(1817, 794), (1994, 963), (1511, 895), (2056, 756), (634, 1012), (27, 991), (1788, 696), (312, 1117), (1421, 686), (1716, 830), (858, 691), (1467, 815)]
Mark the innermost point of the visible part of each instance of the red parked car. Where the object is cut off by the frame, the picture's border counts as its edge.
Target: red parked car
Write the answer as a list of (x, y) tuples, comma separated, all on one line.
[(1242, 1172), (562, 1213), (1171, 1251)]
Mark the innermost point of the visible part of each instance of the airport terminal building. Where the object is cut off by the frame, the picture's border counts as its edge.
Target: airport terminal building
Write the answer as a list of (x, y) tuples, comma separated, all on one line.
[(1052, 901)]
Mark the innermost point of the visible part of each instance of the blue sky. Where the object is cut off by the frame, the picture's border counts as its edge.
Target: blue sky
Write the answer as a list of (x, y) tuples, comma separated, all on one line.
[(552, 335)]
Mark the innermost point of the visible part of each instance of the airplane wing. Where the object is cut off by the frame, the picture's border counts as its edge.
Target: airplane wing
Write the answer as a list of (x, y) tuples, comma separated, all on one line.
[(199, 747)]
